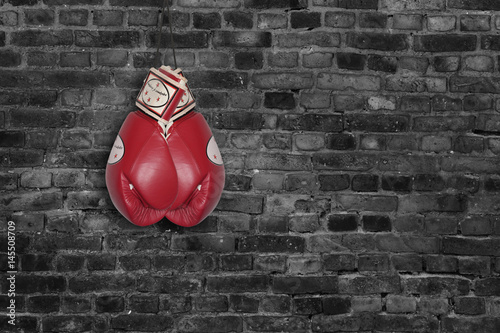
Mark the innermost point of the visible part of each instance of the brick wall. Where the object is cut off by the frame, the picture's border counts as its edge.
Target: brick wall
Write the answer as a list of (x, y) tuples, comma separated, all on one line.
[(361, 141)]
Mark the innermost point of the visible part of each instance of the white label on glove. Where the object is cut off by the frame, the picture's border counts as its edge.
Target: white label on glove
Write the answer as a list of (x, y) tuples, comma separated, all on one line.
[(213, 152), (117, 151)]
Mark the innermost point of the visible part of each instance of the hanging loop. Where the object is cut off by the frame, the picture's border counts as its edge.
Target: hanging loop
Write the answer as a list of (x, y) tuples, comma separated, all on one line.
[(158, 61)]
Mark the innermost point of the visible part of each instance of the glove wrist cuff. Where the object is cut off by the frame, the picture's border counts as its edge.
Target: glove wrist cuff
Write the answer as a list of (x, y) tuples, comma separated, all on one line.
[(162, 92)]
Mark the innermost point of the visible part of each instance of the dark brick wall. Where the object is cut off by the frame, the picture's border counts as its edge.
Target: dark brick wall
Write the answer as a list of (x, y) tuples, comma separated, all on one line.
[(361, 140)]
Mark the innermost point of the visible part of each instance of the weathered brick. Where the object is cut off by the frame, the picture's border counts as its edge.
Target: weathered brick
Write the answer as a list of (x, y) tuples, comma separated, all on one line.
[(64, 242), (352, 61), (441, 225), (248, 60), (441, 264), (433, 202), (340, 141), (205, 243), (9, 58), (144, 304), (111, 17), (357, 4), (78, 17), (472, 164), (144, 322), (365, 183), (75, 304), (474, 5), (342, 161), (45, 118), (289, 4), (373, 262), (237, 283), (373, 284), (474, 23), (38, 284), (398, 5), (446, 103), (343, 323), (242, 39), (211, 303), (270, 263), (67, 323), (340, 19), (36, 179), (414, 64), (95, 283), (309, 20), (444, 286), (407, 22), (276, 323), (377, 123), (75, 59), (412, 84), (480, 266), (335, 81), (206, 20), (122, 39), (464, 183), (376, 223), (307, 305), (40, 17), (443, 123), (305, 285), (441, 23), (397, 183), (42, 38), (209, 4), (38, 58), (470, 246), (218, 80), (477, 102), (334, 182), (382, 63), (478, 63), (271, 244), (444, 43), (41, 200), (135, 18), (317, 60), (407, 263), (272, 21), (71, 2), (446, 63), (404, 243), (238, 19), (372, 20), (302, 39), (101, 262), (282, 80), (227, 323), (8, 18), (377, 41), (75, 79)]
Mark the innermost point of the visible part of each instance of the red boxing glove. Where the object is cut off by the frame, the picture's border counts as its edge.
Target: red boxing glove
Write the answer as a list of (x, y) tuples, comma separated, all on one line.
[(165, 161)]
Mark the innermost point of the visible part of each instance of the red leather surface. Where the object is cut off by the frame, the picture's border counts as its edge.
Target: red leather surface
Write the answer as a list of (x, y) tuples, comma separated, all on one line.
[(175, 179)]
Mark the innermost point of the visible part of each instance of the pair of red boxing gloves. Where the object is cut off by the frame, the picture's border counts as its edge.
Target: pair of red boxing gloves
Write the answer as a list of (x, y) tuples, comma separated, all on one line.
[(165, 161)]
